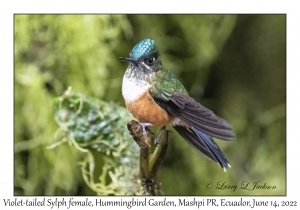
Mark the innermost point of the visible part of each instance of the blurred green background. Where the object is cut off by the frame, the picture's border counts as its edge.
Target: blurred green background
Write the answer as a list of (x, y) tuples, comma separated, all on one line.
[(232, 64)]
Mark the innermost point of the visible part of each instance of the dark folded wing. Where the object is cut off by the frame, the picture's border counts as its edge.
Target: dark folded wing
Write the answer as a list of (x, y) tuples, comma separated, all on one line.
[(197, 116), (204, 144)]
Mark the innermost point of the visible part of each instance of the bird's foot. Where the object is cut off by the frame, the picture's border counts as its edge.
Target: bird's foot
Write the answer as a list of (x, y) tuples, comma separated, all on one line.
[(156, 140), (144, 125)]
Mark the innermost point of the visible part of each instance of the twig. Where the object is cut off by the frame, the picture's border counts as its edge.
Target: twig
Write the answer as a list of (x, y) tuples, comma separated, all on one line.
[(149, 163)]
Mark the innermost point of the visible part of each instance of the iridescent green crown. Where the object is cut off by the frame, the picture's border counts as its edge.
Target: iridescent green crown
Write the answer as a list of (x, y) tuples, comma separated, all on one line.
[(145, 47)]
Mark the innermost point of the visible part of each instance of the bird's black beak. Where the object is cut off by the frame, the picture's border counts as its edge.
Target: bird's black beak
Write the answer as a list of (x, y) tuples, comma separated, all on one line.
[(127, 59)]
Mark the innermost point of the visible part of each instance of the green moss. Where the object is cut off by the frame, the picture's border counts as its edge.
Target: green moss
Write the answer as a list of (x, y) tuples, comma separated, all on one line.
[(92, 126)]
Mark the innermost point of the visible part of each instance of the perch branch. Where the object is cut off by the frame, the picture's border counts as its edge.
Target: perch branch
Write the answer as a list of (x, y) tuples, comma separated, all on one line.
[(149, 163)]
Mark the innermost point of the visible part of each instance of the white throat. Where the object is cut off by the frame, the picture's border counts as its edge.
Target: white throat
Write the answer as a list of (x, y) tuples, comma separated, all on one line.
[(133, 89)]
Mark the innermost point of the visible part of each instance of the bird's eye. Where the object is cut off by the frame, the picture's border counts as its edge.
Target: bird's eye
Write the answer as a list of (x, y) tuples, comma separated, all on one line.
[(149, 61)]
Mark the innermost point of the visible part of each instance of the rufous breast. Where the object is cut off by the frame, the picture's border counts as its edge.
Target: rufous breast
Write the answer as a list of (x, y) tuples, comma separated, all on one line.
[(145, 109)]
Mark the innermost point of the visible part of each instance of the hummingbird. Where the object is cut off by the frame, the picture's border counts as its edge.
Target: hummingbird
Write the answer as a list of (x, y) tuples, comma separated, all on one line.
[(155, 97)]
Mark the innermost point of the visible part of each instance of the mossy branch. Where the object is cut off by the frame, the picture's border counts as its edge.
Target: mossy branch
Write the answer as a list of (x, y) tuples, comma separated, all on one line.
[(97, 129)]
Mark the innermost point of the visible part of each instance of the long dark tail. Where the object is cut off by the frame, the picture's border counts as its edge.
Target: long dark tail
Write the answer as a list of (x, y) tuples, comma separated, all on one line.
[(204, 144)]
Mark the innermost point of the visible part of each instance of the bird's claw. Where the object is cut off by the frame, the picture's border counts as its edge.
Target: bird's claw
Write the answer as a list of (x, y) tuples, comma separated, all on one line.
[(156, 140), (144, 131), (144, 125)]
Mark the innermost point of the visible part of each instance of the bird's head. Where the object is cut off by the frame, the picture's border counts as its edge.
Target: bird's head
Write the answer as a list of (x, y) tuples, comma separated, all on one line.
[(144, 57)]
